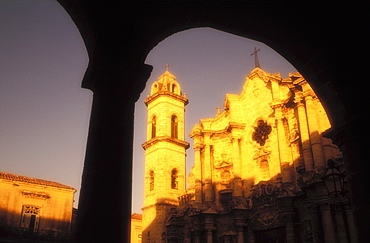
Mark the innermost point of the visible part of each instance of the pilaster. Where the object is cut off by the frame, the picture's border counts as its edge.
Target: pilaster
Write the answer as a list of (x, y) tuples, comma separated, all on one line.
[(208, 188), (198, 175), (315, 136), (303, 128), (240, 226), (327, 223), (285, 161), (210, 227), (237, 168)]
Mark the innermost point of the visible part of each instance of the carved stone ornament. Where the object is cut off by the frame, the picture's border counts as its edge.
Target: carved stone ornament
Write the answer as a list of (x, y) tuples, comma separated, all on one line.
[(261, 132), (267, 214), (28, 209), (35, 195), (225, 162)]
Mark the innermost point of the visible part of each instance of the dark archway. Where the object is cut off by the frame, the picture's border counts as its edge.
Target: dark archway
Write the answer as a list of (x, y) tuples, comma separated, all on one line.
[(316, 39)]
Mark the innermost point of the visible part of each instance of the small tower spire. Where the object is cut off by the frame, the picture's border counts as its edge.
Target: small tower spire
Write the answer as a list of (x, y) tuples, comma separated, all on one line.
[(256, 61), (167, 65)]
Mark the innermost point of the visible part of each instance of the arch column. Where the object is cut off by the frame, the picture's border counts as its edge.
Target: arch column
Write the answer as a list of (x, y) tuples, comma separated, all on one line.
[(104, 210), (353, 142)]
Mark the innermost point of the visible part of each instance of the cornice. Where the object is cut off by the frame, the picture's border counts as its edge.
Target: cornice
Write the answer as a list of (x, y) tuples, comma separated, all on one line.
[(166, 93), (235, 125), (168, 139)]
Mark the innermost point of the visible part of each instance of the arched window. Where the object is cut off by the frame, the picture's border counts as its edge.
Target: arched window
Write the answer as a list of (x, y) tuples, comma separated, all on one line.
[(174, 182), (174, 88), (154, 126), (174, 126), (151, 180)]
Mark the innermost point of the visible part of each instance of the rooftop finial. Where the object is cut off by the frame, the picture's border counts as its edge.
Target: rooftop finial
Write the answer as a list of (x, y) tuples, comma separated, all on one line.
[(167, 65), (256, 61)]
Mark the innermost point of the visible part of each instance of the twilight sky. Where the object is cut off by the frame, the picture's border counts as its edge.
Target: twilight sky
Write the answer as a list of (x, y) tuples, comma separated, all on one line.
[(44, 113)]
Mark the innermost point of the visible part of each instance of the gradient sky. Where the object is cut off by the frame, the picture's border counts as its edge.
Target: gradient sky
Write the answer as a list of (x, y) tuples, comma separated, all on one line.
[(44, 113)]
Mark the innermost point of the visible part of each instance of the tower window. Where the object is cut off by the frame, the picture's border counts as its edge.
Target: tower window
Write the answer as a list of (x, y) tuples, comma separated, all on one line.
[(174, 126), (174, 176), (174, 88), (154, 126), (151, 180)]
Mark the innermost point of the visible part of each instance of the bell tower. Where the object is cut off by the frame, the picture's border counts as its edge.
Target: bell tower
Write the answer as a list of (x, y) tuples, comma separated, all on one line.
[(165, 152)]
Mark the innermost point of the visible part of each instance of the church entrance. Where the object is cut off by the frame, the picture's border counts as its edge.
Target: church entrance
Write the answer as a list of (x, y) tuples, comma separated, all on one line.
[(276, 235)]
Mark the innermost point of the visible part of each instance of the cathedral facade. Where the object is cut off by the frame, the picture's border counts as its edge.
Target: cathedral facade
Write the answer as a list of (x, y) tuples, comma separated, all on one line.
[(261, 169)]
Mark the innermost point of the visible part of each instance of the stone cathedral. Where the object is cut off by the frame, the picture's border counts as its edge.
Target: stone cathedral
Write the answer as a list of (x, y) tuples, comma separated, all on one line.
[(261, 171)]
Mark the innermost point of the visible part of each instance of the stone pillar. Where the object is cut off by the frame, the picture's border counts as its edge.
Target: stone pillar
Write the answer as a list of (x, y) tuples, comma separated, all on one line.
[(340, 226), (283, 146), (198, 175), (353, 140), (240, 225), (315, 136), (209, 236), (327, 223), (208, 189), (196, 237), (251, 236), (104, 210), (197, 228), (305, 137), (209, 226), (237, 168), (313, 214), (351, 225), (289, 229)]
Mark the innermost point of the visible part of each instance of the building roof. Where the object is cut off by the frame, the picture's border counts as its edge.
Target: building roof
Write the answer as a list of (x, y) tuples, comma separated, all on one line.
[(13, 177), (136, 216)]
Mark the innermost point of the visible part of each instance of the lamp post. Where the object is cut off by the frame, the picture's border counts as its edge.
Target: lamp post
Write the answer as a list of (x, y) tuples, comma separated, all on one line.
[(334, 180)]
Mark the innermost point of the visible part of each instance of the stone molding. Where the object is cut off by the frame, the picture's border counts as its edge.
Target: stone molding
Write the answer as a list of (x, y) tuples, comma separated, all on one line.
[(169, 139)]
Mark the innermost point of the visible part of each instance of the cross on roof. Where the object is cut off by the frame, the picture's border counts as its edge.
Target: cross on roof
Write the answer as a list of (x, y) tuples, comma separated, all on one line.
[(256, 61)]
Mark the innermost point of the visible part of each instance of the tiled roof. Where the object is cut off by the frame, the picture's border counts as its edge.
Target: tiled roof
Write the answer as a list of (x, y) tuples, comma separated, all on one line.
[(13, 177), (136, 216)]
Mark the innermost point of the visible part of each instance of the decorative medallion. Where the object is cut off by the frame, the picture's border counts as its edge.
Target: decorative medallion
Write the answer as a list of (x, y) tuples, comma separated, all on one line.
[(267, 214), (261, 132)]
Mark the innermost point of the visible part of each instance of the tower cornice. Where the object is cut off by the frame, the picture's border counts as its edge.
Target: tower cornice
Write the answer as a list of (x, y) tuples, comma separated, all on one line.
[(169, 139), (166, 93)]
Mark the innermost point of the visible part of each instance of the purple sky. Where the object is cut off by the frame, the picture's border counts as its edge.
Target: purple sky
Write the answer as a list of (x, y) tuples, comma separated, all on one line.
[(44, 113)]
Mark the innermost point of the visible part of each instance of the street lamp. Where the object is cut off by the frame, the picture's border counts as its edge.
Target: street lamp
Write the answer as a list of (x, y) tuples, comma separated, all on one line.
[(334, 179)]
